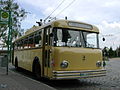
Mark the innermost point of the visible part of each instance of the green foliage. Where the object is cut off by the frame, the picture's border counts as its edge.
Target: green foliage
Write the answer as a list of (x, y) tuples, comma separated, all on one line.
[(118, 51), (113, 53), (18, 14)]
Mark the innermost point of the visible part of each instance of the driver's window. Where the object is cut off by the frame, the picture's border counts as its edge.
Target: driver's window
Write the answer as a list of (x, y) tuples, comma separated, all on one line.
[(91, 40), (74, 40), (47, 35), (59, 38), (66, 37)]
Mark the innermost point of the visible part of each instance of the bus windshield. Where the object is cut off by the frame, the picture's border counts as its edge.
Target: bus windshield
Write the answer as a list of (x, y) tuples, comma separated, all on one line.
[(75, 38)]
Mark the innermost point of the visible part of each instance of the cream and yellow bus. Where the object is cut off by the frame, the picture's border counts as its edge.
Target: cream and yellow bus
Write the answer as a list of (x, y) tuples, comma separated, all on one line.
[(61, 49)]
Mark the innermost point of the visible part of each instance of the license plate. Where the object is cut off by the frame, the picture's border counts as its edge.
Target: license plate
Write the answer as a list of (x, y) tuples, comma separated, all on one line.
[(83, 74)]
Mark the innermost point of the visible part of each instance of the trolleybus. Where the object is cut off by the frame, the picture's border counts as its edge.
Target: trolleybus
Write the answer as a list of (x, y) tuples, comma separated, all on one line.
[(61, 49)]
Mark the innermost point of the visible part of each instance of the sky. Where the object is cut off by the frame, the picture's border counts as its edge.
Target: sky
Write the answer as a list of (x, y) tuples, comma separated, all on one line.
[(105, 14)]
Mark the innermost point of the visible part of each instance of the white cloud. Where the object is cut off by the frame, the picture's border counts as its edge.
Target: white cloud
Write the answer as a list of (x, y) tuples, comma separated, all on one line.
[(108, 28), (103, 13), (91, 10), (111, 31), (112, 3), (29, 21)]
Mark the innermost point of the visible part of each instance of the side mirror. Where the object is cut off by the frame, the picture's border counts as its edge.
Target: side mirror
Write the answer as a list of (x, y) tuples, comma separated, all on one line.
[(103, 39)]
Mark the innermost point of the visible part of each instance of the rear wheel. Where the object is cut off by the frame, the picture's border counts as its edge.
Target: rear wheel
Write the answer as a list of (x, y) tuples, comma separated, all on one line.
[(37, 70)]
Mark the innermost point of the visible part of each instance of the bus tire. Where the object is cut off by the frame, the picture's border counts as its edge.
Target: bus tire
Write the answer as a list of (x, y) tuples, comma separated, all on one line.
[(16, 63), (37, 69)]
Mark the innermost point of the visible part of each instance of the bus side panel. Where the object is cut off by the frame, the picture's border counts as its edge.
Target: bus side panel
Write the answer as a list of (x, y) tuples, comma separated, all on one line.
[(26, 57)]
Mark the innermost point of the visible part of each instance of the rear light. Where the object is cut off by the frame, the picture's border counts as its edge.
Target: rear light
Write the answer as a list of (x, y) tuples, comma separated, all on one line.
[(52, 63)]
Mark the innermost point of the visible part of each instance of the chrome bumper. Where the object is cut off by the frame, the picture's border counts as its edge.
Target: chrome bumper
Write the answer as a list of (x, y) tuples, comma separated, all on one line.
[(78, 74)]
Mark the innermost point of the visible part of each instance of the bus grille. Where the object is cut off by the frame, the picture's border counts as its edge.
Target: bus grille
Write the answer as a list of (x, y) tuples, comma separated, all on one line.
[(78, 74)]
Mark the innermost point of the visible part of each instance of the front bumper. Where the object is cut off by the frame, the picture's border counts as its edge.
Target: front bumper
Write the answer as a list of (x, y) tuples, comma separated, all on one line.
[(78, 74)]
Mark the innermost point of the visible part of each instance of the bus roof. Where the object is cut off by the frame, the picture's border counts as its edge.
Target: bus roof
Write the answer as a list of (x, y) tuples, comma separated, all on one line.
[(63, 24), (74, 25)]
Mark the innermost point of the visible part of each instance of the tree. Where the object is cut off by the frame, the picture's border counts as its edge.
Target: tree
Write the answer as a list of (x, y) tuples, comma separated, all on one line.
[(118, 51), (112, 53), (18, 14)]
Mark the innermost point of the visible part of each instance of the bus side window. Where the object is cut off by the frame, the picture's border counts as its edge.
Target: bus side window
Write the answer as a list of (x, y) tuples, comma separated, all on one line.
[(15, 46), (26, 42), (55, 37), (46, 36), (20, 44), (38, 39), (31, 41)]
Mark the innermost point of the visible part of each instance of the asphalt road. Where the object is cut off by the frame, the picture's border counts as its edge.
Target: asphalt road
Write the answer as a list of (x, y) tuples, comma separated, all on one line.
[(109, 82)]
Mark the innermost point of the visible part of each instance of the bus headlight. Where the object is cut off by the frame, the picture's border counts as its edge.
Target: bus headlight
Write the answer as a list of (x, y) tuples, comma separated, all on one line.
[(98, 64), (64, 64)]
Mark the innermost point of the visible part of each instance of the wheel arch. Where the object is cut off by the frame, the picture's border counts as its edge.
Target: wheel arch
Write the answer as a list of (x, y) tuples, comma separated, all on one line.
[(16, 60), (35, 60)]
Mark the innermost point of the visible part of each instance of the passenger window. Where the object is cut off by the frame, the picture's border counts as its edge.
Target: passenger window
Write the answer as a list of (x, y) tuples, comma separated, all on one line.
[(47, 32), (26, 42), (15, 46), (38, 38), (20, 44), (30, 41)]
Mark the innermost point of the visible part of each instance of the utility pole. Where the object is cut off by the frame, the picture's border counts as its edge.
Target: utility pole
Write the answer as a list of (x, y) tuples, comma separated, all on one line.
[(9, 40), (5, 19)]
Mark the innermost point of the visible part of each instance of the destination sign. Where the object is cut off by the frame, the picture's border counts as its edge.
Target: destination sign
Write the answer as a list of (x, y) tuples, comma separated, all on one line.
[(80, 25)]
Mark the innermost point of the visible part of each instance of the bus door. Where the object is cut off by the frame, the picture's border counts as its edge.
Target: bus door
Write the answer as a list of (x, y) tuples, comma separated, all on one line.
[(47, 51)]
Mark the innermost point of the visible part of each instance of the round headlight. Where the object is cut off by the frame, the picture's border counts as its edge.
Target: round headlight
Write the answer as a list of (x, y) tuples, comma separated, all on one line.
[(64, 64), (98, 64)]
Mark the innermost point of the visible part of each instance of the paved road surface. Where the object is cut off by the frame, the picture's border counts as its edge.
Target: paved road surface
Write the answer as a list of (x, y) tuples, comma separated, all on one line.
[(109, 82)]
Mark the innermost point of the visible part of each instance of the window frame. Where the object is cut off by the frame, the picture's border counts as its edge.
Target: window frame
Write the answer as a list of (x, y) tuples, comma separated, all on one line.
[(97, 37)]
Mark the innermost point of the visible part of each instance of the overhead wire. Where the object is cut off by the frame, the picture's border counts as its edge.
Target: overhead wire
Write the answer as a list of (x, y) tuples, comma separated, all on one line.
[(54, 10), (65, 7), (109, 35)]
